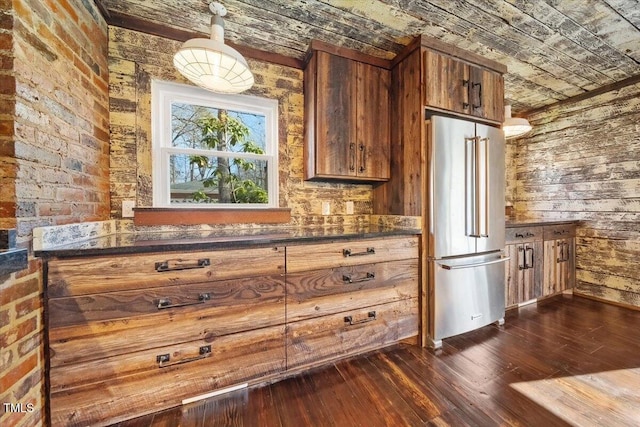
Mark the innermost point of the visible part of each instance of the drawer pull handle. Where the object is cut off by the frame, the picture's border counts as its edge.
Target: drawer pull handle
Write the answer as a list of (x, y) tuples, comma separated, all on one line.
[(371, 316), (163, 359), (348, 253), (163, 266), (349, 278), (164, 303), (520, 235), (560, 232)]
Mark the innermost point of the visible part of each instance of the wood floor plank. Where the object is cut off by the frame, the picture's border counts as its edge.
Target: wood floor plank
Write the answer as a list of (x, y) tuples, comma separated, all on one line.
[(563, 361)]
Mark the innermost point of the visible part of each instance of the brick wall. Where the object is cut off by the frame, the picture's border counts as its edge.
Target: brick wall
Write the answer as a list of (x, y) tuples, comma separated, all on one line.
[(135, 59), (54, 165)]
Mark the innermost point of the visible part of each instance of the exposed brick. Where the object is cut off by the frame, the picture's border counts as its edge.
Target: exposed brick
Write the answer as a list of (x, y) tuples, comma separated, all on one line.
[(30, 344), (35, 266), (6, 21), (27, 306), (54, 209), (8, 209), (19, 372), (30, 382), (6, 359), (18, 289), (6, 127), (69, 194), (17, 333), (7, 85), (6, 42), (4, 317)]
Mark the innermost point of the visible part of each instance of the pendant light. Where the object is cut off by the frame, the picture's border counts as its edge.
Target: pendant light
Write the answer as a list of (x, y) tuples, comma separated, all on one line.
[(210, 63), (514, 127)]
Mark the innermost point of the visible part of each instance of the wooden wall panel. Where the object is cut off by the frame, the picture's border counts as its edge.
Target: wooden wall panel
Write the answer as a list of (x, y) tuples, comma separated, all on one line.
[(582, 161)]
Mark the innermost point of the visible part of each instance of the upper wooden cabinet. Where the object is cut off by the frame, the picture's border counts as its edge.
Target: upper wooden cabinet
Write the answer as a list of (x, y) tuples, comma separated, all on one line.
[(347, 133), (454, 85)]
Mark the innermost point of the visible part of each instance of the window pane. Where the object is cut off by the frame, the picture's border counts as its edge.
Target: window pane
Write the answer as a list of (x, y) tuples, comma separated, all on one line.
[(208, 179), (196, 126)]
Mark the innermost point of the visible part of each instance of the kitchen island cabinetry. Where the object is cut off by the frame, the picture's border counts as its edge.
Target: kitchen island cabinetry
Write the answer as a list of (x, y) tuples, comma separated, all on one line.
[(131, 334), (347, 128)]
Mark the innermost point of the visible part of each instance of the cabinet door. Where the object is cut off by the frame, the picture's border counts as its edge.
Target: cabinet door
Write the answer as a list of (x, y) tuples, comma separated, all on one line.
[(559, 265), (531, 285), (512, 273), (335, 124), (446, 83), (486, 94), (373, 128)]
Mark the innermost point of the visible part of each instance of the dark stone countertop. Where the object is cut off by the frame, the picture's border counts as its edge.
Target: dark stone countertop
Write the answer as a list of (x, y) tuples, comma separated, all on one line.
[(145, 242), (512, 222)]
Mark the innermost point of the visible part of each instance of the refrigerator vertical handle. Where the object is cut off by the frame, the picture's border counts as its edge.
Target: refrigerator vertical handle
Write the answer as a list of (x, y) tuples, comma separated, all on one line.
[(484, 232), (470, 187), (478, 195)]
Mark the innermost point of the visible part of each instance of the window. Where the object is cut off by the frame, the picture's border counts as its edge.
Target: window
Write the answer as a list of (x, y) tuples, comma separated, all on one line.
[(213, 150)]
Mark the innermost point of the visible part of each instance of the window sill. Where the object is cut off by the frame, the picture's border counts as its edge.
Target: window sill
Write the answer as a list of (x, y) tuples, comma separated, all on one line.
[(196, 216)]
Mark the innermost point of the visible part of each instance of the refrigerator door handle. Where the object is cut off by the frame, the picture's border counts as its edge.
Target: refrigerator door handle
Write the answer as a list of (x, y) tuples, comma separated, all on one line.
[(485, 171), (480, 264), (471, 186)]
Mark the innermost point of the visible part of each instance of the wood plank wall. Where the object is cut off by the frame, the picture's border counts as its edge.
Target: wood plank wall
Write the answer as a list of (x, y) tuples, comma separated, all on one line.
[(136, 58), (582, 161)]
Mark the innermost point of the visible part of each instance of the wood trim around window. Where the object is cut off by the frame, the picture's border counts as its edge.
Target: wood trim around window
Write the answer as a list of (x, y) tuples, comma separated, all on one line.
[(197, 216)]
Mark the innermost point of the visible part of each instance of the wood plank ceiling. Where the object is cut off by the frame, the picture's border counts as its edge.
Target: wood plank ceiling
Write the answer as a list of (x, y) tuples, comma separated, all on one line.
[(554, 49)]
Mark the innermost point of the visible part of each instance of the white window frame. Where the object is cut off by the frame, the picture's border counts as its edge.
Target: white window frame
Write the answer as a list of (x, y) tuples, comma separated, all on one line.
[(163, 95)]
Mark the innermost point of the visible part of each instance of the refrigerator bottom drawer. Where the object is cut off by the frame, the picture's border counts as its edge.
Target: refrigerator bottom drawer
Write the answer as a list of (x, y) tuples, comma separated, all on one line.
[(469, 294)]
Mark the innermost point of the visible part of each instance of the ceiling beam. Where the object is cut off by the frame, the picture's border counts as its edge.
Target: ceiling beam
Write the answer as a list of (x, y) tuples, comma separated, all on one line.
[(118, 19)]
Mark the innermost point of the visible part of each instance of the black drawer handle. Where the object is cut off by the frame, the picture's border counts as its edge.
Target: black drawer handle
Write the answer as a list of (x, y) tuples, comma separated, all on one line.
[(164, 303), (527, 234), (164, 359), (371, 316), (560, 232), (348, 252), (349, 278), (175, 265), (520, 235)]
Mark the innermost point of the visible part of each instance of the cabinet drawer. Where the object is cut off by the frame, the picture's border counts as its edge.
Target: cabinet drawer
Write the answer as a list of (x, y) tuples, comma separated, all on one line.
[(347, 253), (165, 302), (322, 292), (112, 389), (84, 276), (523, 234), (246, 310), (559, 231), (350, 332)]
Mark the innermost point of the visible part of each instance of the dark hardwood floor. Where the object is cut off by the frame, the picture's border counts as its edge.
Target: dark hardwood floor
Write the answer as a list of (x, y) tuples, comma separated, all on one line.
[(565, 361)]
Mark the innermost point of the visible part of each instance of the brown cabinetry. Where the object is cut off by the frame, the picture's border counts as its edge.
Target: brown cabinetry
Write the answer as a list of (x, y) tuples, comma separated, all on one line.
[(454, 85), (134, 334), (523, 274), (349, 297), (542, 262), (559, 258), (347, 134)]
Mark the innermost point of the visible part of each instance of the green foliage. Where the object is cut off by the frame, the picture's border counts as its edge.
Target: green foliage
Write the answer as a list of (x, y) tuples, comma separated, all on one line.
[(222, 133)]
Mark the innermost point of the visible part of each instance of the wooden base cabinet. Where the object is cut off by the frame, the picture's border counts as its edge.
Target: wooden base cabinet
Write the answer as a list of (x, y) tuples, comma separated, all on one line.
[(349, 297), (542, 262), (559, 258), (137, 334), (131, 335)]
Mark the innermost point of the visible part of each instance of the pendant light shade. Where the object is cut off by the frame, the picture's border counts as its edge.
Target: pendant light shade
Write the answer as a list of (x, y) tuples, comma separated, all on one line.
[(514, 127), (210, 63)]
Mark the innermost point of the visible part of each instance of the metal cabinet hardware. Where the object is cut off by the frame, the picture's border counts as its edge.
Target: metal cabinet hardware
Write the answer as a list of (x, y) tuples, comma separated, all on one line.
[(556, 232), (528, 265), (465, 83), (527, 234), (349, 253), (163, 359), (164, 303), (371, 316), (349, 278), (363, 157), (479, 86), (176, 265)]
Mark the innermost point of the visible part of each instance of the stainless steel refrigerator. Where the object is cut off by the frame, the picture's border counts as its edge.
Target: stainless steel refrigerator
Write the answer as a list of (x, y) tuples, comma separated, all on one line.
[(466, 228)]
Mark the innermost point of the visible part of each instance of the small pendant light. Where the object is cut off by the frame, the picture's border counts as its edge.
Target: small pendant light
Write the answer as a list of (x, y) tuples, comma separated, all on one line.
[(210, 63), (514, 127)]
